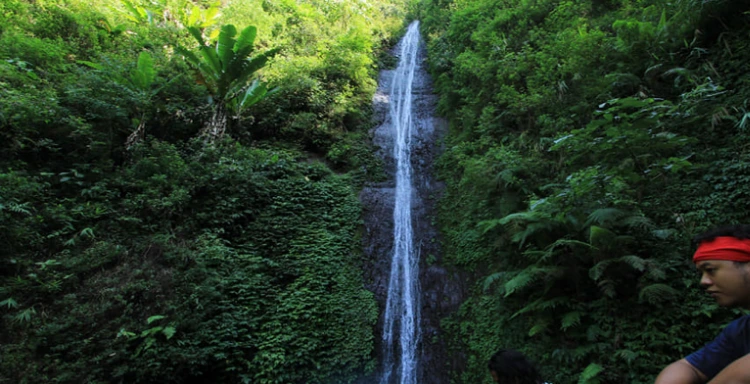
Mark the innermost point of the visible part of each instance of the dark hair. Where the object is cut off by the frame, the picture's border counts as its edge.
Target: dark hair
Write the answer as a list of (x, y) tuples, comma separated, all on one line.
[(739, 231), (513, 367)]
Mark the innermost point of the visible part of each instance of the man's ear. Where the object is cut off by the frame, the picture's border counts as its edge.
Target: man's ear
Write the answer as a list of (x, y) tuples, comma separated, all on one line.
[(494, 376)]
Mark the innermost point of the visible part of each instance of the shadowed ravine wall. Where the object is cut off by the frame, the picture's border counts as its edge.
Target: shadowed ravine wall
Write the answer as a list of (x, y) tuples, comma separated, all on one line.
[(441, 291)]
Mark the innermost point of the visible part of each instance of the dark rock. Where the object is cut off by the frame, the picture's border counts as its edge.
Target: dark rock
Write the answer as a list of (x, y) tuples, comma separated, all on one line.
[(442, 291)]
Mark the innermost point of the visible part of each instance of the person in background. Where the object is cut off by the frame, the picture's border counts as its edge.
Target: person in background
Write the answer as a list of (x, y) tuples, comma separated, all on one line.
[(723, 259), (512, 367)]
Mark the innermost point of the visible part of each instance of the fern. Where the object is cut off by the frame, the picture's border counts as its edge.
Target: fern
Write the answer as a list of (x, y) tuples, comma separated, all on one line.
[(570, 319), (634, 261), (596, 272), (529, 276), (568, 243), (657, 293), (607, 287), (530, 229), (601, 237), (588, 376), (604, 216), (627, 355), (154, 318), (523, 279), (528, 216), (540, 326), (9, 302), (488, 225), (16, 208), (491, 279), (507, 177), (655, 272), (638, 222), (594, 333), (25, 315), (537, 255), (544, 305)]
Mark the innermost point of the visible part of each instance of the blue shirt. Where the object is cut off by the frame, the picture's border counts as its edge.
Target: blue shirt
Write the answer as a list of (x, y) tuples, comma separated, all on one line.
[(732, 343)]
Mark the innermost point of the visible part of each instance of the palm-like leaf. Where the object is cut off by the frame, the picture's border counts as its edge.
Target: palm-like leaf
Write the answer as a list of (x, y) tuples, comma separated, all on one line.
[(634, 261), (225, 54), (604, 215), (529, 230), (638, 221), (226, 69), (488, 225), (529, 276), (225, 44), (210, 66), (491, 279), (242, 73), (588, 376), (545, 305), (570, 319), (657, 293), (527, 216), (254, 93), (597, 271), (540, 326), (145, 74), (245, 41), (601, 237)]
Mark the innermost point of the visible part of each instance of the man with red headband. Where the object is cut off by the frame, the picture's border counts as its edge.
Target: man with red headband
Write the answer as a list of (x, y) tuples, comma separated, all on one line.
[(723, 259)]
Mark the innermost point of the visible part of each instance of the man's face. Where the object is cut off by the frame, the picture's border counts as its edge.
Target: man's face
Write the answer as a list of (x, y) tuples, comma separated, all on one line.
[(727, 282)]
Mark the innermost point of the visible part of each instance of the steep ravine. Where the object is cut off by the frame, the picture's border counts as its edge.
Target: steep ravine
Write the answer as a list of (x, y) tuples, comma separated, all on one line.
[(441, 291)]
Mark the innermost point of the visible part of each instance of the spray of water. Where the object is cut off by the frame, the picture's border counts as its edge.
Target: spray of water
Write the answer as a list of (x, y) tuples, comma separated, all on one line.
[(401, 322)]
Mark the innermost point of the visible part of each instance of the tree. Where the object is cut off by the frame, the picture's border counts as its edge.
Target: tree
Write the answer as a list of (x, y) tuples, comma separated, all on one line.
[(226, 69), (140, 83)]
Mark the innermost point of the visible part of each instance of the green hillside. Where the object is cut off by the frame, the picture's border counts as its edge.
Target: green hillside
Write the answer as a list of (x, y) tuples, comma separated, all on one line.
[(179, 182), (589, 142), (178, 192)]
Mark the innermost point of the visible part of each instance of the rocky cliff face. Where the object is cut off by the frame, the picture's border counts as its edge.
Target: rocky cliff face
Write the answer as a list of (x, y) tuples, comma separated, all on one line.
[(442, 291)]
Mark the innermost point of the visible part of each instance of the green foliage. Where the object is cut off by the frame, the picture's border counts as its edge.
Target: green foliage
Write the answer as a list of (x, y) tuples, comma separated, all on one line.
[(588, 376), (589, 141), (163, 260), (226, 71), (268, 284)]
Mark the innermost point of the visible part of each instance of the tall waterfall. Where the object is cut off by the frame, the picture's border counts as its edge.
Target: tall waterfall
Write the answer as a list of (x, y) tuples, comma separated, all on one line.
[(401, 331)]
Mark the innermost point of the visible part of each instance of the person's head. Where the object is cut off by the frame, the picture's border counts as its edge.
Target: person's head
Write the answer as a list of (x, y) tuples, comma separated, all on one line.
[(511, 367), (723, 259)]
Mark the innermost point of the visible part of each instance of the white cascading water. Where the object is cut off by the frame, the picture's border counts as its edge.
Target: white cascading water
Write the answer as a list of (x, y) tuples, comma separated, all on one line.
[(401, 319)]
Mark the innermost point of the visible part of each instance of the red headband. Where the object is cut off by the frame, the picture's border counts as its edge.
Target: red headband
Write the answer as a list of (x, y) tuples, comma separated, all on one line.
[(723, 248)]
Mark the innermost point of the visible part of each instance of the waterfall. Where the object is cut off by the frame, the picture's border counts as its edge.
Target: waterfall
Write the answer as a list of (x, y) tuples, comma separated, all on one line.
[(401, 331), (414, 292)]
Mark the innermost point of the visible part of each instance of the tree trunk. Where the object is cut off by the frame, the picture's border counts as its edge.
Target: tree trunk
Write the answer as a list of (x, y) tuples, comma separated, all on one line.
[(217, 126), (138, 134)]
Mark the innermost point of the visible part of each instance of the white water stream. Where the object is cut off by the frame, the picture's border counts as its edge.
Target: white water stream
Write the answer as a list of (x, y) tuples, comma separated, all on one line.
[(401, 331)]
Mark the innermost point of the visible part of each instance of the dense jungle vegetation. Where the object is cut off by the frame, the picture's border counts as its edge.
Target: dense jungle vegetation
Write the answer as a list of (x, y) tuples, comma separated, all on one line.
[(178, 183), (178, 189), (589, 142)]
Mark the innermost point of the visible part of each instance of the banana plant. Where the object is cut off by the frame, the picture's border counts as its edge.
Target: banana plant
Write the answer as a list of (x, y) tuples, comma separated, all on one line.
[(140, 81), (228, 71), (138, 14)]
